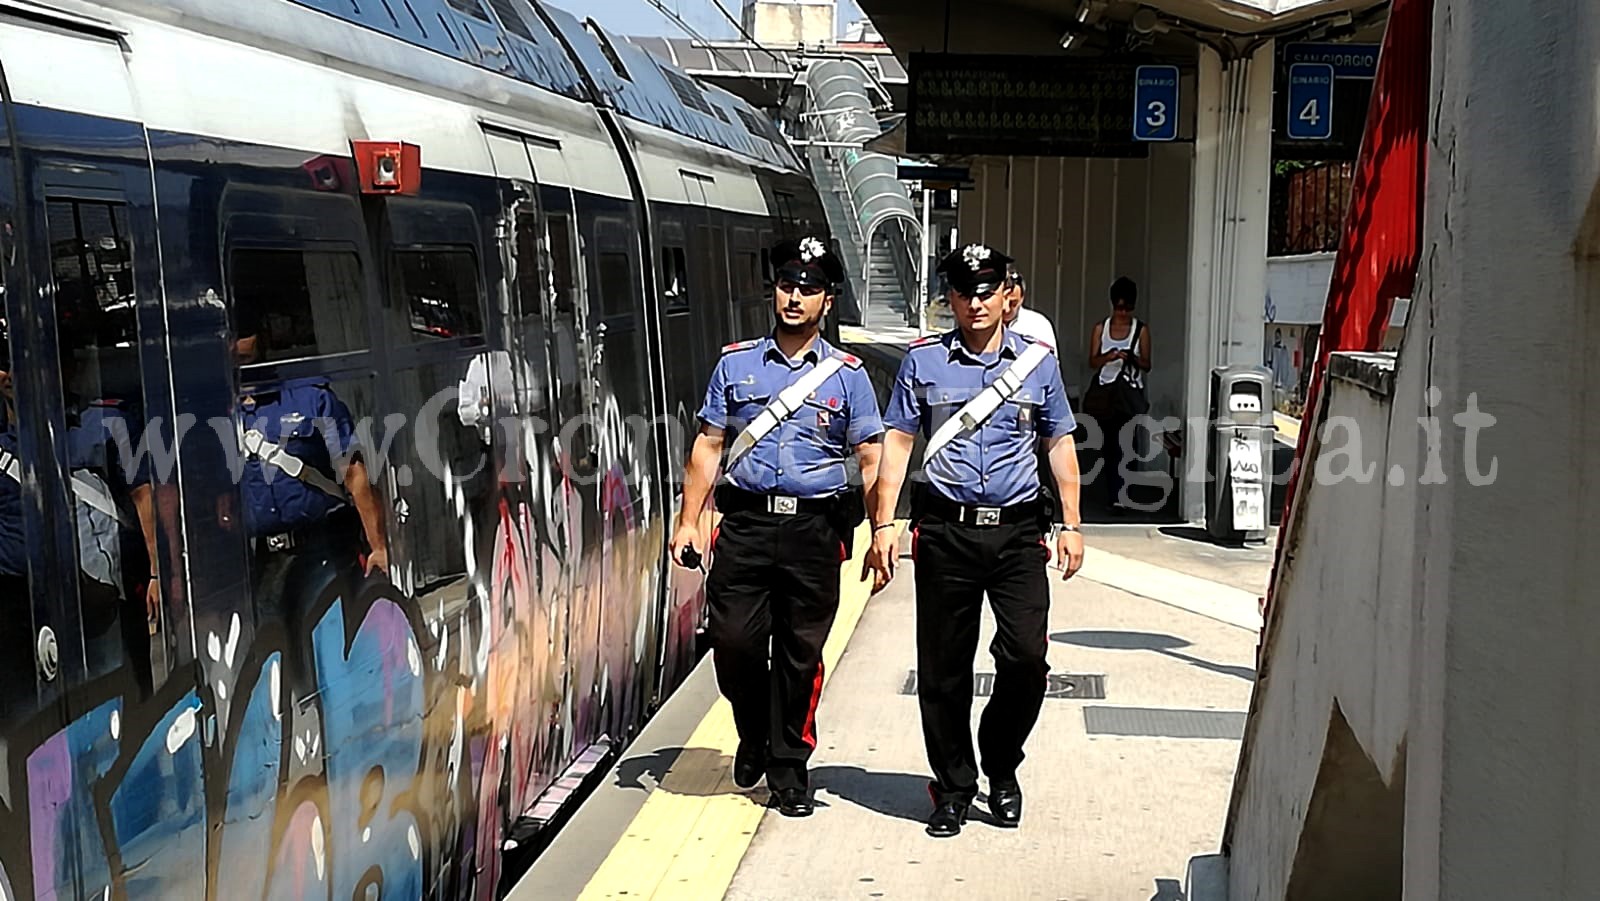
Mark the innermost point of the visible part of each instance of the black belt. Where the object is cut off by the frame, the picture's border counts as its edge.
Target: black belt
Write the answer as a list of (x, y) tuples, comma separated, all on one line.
[(338, 528), (737, 500), (940, 507)]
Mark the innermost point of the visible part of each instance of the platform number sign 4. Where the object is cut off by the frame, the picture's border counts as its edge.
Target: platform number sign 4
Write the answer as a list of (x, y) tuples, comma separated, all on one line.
[(1155, 98), (1310, 101)]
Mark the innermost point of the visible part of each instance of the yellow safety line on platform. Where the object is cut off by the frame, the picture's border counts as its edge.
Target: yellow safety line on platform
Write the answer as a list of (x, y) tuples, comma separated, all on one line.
[(1288, 427), (689, 837)]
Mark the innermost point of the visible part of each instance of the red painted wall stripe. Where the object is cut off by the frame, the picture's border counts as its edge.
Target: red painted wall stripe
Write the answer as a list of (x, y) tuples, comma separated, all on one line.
[(1382, 239)]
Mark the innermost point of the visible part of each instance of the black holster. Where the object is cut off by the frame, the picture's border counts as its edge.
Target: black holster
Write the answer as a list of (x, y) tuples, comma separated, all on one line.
[(849, 511)]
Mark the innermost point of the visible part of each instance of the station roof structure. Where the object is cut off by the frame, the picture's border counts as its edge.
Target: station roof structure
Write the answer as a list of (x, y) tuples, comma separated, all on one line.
[(1111, 26), (761, 74)]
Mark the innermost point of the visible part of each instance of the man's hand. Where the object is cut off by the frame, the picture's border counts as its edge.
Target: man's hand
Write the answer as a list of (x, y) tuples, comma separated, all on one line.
[(1069, 550), (378, 562), (687, 536), (881, 557)]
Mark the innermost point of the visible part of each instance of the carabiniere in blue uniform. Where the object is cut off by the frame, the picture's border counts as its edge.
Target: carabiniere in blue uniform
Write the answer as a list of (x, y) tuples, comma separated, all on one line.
[(788, 424), (980, 525)]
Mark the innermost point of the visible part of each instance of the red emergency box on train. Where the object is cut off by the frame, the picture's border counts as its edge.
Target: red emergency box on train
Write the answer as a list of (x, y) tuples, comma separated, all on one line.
[(388, 167)]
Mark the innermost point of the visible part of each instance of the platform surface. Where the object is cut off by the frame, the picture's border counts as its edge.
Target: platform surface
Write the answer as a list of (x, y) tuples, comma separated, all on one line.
[(1121, 791)]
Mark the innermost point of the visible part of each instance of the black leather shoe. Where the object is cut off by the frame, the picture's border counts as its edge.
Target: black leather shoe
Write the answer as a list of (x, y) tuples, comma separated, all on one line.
[(747, 769), (793, 802), (1005, 804), (947, 819)]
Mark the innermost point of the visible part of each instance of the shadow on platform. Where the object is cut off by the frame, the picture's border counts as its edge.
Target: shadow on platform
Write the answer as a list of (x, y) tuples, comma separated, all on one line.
[(903, 796), (1165, 645), (692, 772)]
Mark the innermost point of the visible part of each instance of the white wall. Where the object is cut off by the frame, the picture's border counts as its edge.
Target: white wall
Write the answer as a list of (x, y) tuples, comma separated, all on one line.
[(1503, 782), (1341, 627), (1228, 230), (1473, 601), (1297, 288)]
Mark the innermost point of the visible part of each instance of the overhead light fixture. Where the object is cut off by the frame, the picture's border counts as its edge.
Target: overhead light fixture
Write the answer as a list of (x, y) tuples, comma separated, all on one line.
[(1148, 21)]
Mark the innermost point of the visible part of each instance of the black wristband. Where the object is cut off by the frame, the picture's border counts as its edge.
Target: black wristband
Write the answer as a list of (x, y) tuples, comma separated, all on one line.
[(879, 528)]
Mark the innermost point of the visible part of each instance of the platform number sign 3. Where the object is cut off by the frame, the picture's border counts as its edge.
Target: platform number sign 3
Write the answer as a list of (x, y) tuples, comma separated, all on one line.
[(1155, 97), (1310, 101)]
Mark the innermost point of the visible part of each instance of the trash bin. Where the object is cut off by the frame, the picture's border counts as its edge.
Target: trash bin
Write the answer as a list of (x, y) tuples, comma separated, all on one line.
[(1239, 454)]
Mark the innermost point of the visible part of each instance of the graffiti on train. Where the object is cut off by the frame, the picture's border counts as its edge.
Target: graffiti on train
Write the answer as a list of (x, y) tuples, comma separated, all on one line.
[(380, 751)]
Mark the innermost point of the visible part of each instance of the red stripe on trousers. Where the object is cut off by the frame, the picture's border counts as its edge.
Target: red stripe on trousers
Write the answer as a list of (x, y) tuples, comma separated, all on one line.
[(809, 735)]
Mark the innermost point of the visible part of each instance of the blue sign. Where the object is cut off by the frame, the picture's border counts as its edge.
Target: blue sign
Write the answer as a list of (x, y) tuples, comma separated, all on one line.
[(1310, 102), (1155, 103), (1347, 60)]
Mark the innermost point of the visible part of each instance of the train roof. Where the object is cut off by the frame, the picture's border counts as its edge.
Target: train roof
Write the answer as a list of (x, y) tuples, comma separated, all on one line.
[(545, 46)]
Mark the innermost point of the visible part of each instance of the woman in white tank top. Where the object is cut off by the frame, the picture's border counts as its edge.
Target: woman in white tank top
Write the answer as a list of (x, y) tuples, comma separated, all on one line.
[(1110, 349), (1112, 341)]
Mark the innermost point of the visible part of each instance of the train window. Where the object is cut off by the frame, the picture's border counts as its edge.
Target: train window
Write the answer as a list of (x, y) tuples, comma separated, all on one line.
[(561, 263), (440, 291), (675, 278), (290, 304), (616, 284), (785, 204), (91, 263), (749, 274), (511, 19), (530, 274), (469, 7)]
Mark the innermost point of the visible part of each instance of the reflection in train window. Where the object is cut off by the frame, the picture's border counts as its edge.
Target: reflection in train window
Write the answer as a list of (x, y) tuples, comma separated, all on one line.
[(470, 7), (616, 285), (511, 19), (289, 304), (18, 690), (89, 255), (561, 265), (530, 272), (748, 272), (97, 343), (675, 278), (440, 290)]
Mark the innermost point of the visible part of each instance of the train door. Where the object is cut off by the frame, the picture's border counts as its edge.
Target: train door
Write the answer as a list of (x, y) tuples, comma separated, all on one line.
[(686, 365), (538, 746), (569, 454), (713, 304), (103, 783), (633, 530)]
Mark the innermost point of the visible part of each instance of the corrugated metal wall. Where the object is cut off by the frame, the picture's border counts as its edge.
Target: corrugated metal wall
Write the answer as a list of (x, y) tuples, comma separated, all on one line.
[(1075, 225)]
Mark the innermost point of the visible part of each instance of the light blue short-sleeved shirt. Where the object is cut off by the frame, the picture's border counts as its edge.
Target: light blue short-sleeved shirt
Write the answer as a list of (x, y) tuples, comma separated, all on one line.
[(995, 464), (805, 455)]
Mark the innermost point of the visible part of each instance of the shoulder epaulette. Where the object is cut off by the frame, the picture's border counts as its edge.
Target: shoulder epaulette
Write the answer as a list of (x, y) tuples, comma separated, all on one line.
[(1035, 339), (741, 345), (851, 360), (926, 340)]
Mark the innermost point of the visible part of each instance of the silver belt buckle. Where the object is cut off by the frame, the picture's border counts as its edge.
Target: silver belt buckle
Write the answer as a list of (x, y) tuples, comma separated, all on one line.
[(986, 516), (280, 542), (786, 506)]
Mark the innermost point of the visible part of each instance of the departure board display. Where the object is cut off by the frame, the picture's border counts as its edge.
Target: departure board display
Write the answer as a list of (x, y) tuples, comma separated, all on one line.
[(1025, 105)]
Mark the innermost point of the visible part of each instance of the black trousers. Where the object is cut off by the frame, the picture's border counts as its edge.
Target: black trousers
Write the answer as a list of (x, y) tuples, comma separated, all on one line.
[(955, 566), (773, 592)]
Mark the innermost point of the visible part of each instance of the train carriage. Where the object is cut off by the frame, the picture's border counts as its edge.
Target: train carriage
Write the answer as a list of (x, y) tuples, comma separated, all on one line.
[(350, 355)]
